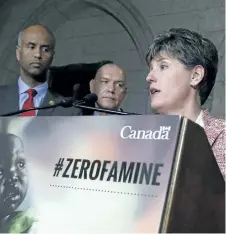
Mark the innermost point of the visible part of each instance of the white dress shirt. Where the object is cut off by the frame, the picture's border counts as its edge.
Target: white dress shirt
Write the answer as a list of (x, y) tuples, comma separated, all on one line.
[(38, 99), (199, 120)]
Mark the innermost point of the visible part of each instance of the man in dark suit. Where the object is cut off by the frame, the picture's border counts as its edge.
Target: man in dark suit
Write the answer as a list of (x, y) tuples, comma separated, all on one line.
[(110, 86), (34, 52)]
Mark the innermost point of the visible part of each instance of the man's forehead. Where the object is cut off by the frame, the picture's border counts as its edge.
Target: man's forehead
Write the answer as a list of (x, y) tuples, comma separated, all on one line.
[(111, 71), (40, 37)]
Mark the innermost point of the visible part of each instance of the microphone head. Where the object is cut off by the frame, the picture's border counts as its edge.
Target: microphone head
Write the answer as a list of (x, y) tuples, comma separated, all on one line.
[(91, 98), (88, 100)]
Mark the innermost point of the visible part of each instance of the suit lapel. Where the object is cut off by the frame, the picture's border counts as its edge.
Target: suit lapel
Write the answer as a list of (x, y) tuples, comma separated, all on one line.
[(47, 112), (12, 99)]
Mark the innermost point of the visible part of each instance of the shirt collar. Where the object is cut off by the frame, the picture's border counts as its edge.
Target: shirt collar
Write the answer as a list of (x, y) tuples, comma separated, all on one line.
[(199, 120), (96, 113), (41, 89)]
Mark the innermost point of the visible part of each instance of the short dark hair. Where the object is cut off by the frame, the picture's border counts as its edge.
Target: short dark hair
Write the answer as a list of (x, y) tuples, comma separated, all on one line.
[(191, 49)]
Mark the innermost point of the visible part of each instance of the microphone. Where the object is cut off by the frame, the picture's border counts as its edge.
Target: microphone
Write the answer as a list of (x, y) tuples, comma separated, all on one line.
[(90, 99), (64, 103), (86, 103)]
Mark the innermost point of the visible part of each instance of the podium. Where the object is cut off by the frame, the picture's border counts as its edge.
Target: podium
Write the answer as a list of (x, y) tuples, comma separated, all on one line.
[(110, 174)]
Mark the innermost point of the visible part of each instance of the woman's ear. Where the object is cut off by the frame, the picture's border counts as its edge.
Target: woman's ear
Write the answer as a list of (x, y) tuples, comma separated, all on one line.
[(197, 75)]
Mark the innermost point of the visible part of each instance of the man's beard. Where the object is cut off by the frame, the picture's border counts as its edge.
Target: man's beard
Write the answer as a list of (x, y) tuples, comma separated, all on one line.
[(41, 78)]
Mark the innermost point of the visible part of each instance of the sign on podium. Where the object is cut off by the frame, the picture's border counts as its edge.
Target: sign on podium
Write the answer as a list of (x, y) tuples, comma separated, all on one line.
[(115, 174)]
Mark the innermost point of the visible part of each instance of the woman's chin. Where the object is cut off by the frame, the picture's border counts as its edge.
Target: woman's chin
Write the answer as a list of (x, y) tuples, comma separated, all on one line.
[(157, 107)]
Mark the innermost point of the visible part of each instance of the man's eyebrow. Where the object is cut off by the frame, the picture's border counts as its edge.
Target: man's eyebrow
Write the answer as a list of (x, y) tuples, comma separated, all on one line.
[(104, 78), (47, 46), (30, 42), (107, 78), (42, 45)]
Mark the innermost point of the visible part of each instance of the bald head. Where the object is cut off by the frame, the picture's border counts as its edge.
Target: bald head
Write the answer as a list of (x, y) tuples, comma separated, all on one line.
[(36, 28), (34, 52), (114, 68)]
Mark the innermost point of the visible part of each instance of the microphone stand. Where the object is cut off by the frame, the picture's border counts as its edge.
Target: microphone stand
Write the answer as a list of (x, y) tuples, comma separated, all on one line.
[(62, 103), (107, 111), (78, 104), (25, 110)]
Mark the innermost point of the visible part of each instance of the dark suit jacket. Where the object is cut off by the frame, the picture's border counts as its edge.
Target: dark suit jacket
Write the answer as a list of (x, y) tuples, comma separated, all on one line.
[(9, 102)]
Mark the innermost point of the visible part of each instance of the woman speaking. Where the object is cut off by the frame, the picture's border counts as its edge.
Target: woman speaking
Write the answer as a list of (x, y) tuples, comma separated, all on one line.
[(182, 72)]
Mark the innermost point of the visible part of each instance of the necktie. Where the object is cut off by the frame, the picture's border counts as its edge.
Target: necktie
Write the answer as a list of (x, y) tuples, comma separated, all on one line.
[(29, 103)]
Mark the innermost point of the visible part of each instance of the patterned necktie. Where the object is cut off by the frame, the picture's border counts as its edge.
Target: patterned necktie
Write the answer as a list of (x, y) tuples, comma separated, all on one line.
[(29, 103)]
